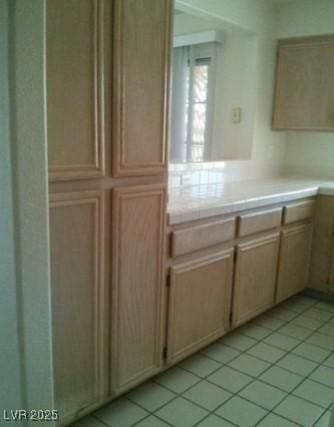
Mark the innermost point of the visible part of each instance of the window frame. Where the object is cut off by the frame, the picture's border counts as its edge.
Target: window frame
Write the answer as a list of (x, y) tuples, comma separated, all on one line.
[(205, 53)]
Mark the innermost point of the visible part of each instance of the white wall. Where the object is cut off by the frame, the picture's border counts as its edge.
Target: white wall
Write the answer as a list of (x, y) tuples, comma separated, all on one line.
[(305, 17), (27, 291), (256, 17), (236, 84), (10, 362), (308, 153)]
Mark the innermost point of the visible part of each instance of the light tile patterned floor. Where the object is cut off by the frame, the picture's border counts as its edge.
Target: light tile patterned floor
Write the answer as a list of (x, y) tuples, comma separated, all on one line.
[(276, 371)]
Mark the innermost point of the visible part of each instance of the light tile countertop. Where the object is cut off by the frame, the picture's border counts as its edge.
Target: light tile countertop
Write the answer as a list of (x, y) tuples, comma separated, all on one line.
[(204, 201)]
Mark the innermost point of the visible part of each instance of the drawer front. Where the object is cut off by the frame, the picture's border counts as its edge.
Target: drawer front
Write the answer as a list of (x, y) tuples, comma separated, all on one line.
[(202, 236), (299, 211), (259, 221)]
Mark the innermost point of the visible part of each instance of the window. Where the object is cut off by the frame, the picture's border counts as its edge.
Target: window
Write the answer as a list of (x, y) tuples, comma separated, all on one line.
[(196, 107), (192, 103)]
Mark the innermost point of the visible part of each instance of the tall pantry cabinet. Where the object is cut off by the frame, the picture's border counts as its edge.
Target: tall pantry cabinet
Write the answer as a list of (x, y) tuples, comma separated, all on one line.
[(107, 85)]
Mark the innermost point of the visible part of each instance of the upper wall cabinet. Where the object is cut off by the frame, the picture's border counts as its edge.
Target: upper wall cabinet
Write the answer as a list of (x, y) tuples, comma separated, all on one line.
[(141, 31), (75, 35), (304, 95)]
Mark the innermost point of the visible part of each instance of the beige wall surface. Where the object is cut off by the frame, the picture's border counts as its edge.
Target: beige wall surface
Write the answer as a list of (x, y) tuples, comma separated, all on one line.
[(26, 292), (10, 368)]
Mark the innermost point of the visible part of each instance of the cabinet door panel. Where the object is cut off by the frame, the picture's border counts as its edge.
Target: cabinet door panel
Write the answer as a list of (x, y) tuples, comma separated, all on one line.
[(322, 258), (137, 276), (304, 90), (255, 278), (141, 61), (294, 261), (199, 303), (74, 86), (77, 273)]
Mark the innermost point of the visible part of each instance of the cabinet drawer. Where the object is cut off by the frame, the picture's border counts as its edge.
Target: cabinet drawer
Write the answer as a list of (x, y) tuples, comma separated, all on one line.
[(299, 211), (259, 221), (202, 236)]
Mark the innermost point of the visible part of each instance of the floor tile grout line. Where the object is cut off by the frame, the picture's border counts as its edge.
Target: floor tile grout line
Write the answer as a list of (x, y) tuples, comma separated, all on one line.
[(257, 357), (149, 412), (303, 340), (177, 395), (290, 393), (273, 364), (212, 412), (152, 415), (253, 379), (98, 419)]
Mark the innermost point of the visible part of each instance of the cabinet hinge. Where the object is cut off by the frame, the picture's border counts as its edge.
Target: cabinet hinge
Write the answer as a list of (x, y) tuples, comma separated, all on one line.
[(164, 353)]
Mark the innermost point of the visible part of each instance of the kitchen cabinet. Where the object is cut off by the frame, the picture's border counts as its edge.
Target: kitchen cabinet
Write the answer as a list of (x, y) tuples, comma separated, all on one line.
[(294, 260), (198, 237), (141, 48), (271, 255), (304, 89), (117, 321), (78, 300), (199, 303), (322, 259), (255, 277), (298, 211), (107, 87), (76, 59), (138, 285), (255, 222), (141, 67)]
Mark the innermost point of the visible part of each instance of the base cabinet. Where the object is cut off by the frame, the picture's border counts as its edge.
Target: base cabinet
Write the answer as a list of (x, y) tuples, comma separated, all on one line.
[(322, 259), (255, 277), (294, 261), (199, 303)]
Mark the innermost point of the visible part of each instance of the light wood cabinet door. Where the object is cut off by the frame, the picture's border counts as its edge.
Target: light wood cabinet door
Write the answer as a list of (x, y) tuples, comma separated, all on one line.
[(199, 303), (78, 301), (75, 60), (255, 277), (138, 235), (322, 254), (294, 261), (304, 92), (141, 30)]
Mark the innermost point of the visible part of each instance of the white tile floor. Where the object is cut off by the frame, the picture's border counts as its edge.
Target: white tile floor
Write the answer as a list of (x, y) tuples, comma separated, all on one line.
[(277, 371)]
